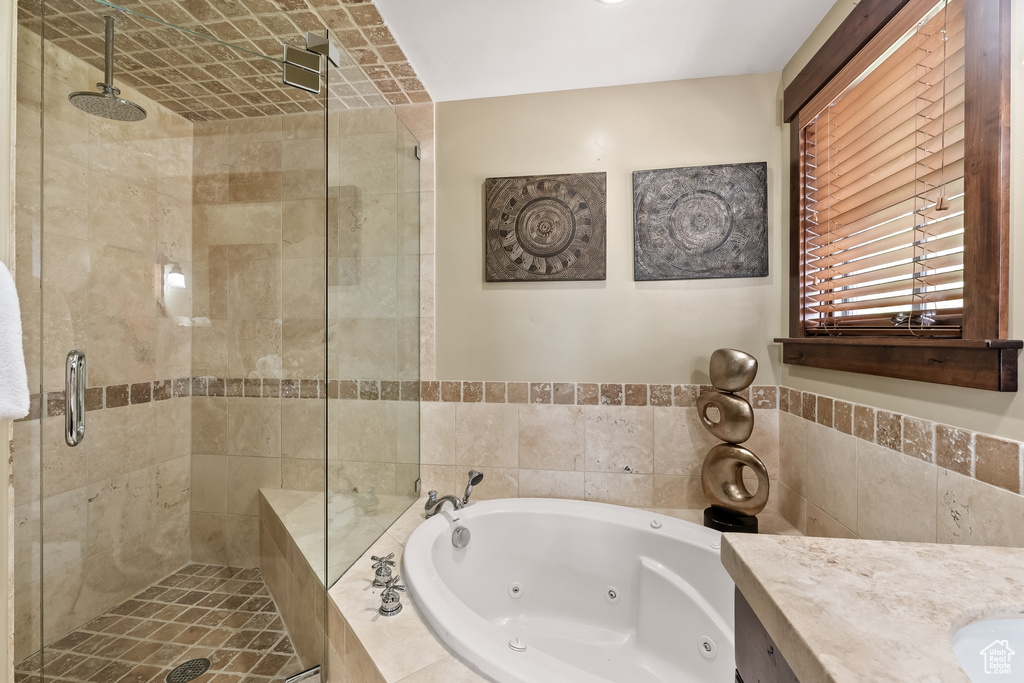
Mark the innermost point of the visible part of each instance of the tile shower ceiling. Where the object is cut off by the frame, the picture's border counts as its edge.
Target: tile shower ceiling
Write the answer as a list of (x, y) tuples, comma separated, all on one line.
[(204, 80)]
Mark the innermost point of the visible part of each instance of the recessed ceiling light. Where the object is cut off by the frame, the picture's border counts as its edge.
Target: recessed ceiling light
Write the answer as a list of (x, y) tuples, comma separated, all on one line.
[(611, 2)]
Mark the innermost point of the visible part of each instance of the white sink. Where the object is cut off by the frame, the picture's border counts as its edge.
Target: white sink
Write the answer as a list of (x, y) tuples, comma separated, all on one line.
[(991, 650)]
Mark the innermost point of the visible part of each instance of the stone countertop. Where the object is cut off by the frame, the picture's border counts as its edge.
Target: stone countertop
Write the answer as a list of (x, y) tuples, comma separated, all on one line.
[(855, 610)]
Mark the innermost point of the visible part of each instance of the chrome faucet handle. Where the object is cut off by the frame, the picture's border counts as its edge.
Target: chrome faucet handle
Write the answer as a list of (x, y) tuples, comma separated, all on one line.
[(393, 585), (390, 600), (382, 569), (386, 561)]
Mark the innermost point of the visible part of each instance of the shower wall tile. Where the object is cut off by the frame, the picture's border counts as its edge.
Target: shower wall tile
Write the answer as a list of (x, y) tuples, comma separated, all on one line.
[(253, 427), (303, 475), (303, 429), (209, 483), (230, 540), (246, 476)]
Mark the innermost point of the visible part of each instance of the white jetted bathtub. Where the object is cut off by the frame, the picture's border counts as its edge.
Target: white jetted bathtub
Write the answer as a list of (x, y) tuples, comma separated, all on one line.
[(565, 590)]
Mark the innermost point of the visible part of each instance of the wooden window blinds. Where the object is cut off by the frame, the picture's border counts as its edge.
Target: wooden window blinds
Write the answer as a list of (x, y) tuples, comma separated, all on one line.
[(882, 192)]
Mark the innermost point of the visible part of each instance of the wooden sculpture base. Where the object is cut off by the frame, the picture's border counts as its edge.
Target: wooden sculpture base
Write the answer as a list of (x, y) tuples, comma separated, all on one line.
[(724, 520)]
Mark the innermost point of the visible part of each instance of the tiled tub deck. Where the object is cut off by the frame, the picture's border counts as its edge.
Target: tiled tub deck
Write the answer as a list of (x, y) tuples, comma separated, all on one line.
[(362, 645)]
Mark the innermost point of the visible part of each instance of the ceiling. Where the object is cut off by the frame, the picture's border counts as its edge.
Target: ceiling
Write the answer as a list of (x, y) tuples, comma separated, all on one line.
[(213, 69), (465, 49)]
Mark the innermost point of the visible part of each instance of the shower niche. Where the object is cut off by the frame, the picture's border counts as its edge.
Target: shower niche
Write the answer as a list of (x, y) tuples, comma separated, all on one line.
[(238, 260)]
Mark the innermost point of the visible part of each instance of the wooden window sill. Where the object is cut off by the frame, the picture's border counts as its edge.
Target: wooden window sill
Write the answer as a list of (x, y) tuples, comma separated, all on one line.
[(989, 364)]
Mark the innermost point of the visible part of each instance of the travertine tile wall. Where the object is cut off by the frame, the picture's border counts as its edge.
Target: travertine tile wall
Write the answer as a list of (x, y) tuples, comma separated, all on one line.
[(115, 508), (261, 314), (419, 118), (373, 299), (852, 470), (258, 232), (633, 444)]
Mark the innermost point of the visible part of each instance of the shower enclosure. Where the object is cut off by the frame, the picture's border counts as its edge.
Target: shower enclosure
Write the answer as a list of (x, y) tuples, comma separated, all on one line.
[(239, 266)]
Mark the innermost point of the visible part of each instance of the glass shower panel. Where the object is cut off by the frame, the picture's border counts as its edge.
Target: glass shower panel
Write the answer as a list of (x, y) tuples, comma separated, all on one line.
[(373, 317), (184, 255)]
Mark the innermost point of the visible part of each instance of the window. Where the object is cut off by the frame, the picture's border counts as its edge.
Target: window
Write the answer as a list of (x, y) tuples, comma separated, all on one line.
[(900, 196)]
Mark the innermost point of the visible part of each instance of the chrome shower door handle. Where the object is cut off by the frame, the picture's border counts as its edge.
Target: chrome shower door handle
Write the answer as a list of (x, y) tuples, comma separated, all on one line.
[(74, 398)]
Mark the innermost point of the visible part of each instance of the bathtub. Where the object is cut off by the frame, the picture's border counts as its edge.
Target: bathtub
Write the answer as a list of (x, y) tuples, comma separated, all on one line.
[(565, 590)]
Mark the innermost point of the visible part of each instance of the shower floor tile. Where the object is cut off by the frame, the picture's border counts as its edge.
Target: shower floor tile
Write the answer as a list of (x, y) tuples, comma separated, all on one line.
[(224, 614)]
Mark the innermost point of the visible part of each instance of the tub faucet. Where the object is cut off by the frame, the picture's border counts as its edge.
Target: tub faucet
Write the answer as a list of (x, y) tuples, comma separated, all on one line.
[(434, 504)]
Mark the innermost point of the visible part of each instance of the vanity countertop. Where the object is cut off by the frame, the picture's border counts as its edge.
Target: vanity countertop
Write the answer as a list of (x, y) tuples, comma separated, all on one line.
[(855, 610)]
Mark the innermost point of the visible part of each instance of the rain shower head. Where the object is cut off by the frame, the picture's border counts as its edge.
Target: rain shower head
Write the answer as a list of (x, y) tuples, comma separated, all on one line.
[(107, 102)]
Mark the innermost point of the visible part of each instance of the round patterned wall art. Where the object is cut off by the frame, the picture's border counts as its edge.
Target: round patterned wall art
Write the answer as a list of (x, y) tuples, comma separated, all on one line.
[(701, 222), (545, 227)]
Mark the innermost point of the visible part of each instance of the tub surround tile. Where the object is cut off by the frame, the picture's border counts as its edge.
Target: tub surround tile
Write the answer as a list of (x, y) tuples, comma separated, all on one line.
[(551, 484), (954, 449), (685, 395), (972, 512), (495, 392), (518, 392), (997, 462), (619, 439), (889, 430), (886, 475), (540, 392), (564, 393), (588, 394), (910, 475), (832, 482), (487, 434), (824, 411), (919, 438), (634, 490), (551, 437), (611, 394), (661, 395)]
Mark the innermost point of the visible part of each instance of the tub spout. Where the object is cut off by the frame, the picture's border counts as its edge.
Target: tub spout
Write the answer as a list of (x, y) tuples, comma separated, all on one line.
[(434, 504)]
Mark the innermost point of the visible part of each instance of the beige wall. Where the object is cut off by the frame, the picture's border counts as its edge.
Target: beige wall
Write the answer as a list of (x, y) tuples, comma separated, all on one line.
[(617, 330), (8, 37), (982, 411)]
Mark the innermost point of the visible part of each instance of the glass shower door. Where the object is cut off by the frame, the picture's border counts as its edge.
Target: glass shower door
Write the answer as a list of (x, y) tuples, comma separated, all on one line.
[(183, 254), (373, 317)]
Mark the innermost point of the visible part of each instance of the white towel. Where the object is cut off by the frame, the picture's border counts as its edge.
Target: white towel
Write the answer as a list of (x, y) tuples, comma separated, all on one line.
[(13, 379)]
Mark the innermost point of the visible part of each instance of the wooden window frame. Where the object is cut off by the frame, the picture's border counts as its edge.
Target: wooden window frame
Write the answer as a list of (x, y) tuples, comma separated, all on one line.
[(983, 358)]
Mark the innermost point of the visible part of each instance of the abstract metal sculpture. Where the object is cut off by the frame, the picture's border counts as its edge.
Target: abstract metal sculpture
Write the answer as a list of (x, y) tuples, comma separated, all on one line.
[(730, 418)]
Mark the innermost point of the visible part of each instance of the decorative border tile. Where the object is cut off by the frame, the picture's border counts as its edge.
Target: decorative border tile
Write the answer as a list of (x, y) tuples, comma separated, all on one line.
[(980, 456), (449, 391)]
